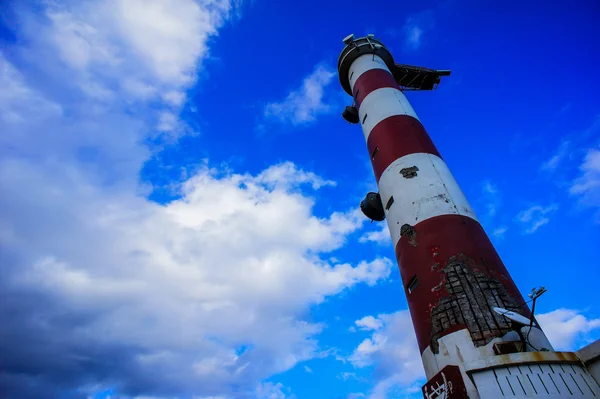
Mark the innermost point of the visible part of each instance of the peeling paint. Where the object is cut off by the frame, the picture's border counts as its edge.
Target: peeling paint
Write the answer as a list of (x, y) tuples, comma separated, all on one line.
[(408, 231), (410, 172), (470, 297), (438, 287)]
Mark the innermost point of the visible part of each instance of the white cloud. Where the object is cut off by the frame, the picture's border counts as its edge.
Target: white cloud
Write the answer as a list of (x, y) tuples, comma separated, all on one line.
[(413, 35), (392, 349), (308, 369), (139, 89), (165, 41), (305, 104), (175, 98), (535, 217), (131, 51), (167, 122), (568, 329), (557, 158), (157, 397), (395, 387), (587, 185), (21, 104), (380, 236), (287, 174), (415, 27), (500, 231), (151, 299), (229, 260), (491, 195), (369, 323), (270, 390), (347, 376)]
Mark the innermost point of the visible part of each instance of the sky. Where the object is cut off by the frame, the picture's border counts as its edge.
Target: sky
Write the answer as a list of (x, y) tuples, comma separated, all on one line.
[(179, 211)]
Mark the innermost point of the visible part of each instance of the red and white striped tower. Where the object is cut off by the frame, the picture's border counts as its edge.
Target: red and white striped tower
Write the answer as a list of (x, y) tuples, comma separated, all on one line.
[(453, 277)]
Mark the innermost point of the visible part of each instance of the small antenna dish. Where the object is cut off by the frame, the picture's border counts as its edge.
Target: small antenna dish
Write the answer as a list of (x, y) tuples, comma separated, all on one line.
[(349, 39), (509, 314)]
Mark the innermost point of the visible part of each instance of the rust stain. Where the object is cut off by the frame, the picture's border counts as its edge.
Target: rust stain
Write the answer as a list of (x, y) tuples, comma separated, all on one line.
[(526, 358), (537, 356)]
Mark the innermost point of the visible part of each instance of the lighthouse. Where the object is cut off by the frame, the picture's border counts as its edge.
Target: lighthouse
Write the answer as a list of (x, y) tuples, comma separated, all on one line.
[(476, 334)]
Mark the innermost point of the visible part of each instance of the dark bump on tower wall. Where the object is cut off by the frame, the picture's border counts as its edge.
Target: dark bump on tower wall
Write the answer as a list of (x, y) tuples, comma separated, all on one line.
[(409, 173)]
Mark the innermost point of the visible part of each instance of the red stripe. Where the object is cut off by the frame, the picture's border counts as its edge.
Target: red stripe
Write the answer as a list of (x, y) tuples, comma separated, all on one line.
[(395, 137), (370, 81), (454, 247)]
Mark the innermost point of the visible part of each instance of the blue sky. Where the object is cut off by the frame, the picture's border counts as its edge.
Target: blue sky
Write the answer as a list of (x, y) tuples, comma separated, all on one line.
[(179, 211)]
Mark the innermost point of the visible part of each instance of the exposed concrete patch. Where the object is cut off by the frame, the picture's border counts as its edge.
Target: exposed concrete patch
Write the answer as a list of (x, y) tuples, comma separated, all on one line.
[(471, 297)]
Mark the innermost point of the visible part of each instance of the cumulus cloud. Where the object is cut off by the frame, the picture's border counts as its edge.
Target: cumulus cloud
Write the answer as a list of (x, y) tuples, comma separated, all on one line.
[(393, 352), (288, 174), (380, 236), (166, 40), (369, 323), (123, 52), (20, 104), (170, 290), (102, 288), (534, 217), (270, 390), (305, 104), (587, 185), (568, 329)]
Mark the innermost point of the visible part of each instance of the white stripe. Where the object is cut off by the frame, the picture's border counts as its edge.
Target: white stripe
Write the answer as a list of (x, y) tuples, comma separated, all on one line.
[(363, 64), (381, 104), (432, 192)]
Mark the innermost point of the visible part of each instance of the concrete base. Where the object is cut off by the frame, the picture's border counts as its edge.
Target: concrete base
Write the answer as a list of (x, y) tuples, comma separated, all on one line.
[(590, 357), (534, 375), (522, 375)]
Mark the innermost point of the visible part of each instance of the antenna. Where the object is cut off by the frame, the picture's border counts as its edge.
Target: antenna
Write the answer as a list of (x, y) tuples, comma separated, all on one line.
[(534, 295)]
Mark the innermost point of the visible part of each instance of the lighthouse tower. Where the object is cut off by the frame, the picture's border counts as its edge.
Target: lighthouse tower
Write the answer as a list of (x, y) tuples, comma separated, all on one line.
[(476, 334)]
